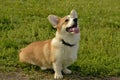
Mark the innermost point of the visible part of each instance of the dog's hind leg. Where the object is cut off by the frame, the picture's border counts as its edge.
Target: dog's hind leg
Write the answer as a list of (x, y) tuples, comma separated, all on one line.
[(43, 68)]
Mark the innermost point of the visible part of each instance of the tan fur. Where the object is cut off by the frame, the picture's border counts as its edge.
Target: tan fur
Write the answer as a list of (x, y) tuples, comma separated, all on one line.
[(61, 22), (37, 53)]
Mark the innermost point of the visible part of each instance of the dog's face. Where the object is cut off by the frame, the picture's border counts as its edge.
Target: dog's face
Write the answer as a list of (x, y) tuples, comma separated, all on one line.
[(67, 24)]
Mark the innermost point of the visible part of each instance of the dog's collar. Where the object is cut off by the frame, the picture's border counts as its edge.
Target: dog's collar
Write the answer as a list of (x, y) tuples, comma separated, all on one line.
[(67, 44)]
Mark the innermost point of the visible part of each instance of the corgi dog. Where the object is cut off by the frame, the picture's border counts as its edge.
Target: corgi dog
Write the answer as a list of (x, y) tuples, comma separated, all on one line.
[(57, 53)]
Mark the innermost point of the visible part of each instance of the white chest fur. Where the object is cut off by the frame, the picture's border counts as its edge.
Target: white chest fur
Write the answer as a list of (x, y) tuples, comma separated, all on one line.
[(64, 54)]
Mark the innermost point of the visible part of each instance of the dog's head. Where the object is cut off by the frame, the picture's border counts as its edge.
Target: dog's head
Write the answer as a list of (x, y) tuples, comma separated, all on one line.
[(67, 24)]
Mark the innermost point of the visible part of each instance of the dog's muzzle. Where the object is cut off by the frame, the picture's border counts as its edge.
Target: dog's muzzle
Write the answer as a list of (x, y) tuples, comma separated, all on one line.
[(73, 28)]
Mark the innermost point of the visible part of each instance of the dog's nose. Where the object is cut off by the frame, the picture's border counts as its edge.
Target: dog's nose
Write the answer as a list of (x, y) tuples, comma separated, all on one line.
[(75, 20)]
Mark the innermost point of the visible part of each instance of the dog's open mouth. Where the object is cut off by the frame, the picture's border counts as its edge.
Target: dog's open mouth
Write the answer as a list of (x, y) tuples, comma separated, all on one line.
[(73, 29)]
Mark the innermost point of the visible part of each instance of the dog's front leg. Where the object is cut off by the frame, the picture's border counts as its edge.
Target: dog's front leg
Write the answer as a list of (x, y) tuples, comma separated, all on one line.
[(67, 71), (57, 68)]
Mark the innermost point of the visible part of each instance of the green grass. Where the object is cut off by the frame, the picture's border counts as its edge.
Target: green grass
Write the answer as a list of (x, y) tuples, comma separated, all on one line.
[(25, 21)]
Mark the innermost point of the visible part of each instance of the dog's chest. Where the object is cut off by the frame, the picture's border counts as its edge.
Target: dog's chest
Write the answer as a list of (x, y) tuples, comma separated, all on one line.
[(68, 52), (64, 53), (67, 55)]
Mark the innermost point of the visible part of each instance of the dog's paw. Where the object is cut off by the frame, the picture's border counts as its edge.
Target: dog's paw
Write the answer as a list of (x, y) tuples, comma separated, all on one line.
[(67, 71), (43, 68), (58, 76)]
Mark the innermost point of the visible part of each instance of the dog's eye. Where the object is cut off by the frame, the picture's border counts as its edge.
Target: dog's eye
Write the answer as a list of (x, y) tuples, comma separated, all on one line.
[(66, 20)]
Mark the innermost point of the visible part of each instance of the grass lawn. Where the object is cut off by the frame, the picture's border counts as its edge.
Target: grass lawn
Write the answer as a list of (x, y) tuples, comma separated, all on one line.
[(25, 21)]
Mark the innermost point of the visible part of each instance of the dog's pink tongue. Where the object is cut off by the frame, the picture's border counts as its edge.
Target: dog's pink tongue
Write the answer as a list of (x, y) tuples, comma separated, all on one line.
[(75, 30)]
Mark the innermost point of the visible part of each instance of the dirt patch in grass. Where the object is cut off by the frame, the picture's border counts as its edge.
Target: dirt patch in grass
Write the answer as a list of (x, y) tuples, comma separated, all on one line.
[(47, 75), (14, 76)]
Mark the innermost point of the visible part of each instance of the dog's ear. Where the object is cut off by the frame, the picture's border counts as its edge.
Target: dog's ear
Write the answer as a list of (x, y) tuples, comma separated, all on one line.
[(73, 14), (54, 20)]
